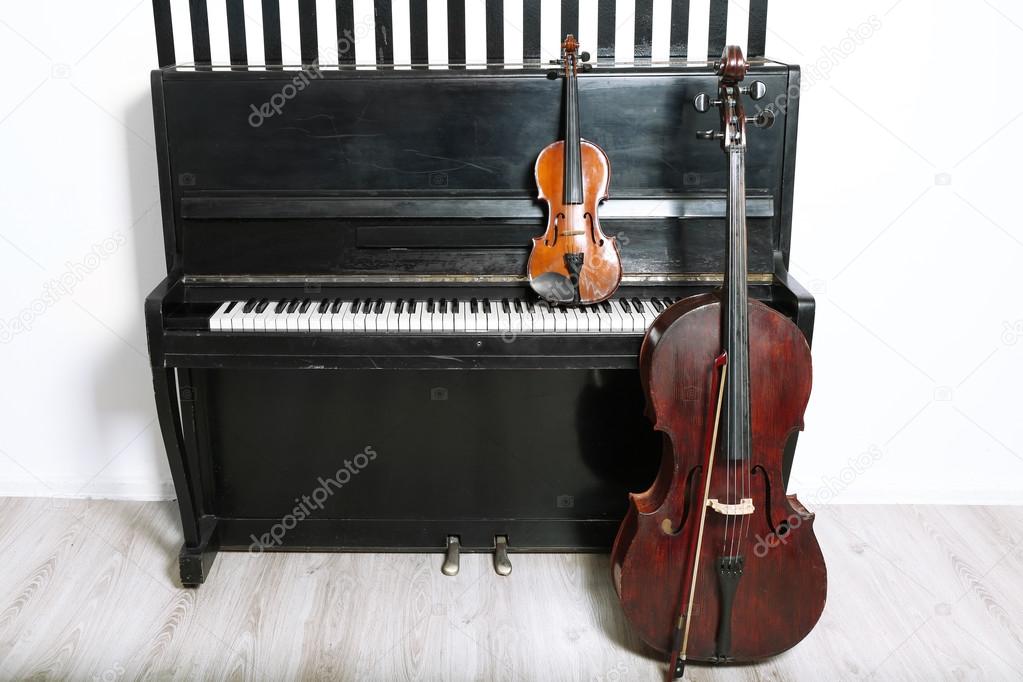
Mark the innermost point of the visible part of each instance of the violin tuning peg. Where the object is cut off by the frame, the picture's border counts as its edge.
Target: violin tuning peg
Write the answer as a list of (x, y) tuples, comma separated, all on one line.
[(756, 90), (710, 135), (585, 56)]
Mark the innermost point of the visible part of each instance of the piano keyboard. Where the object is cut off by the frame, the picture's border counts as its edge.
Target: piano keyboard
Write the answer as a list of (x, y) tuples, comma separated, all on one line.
[(440, 316)]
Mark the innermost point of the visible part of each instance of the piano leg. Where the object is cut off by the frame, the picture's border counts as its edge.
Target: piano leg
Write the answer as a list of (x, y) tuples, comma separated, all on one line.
[(200, 548)]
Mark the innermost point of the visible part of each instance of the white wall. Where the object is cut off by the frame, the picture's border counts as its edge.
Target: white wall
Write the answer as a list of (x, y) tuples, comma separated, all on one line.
[(906, 229)]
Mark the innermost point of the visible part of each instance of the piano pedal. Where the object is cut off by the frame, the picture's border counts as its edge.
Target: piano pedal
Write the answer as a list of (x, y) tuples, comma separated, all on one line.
[(450, 565), (501, 562)]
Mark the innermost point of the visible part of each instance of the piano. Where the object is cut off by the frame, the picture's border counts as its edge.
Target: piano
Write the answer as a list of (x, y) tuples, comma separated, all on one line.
[(348, 277)]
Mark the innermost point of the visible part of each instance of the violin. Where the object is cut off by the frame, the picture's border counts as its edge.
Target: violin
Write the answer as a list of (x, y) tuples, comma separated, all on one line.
[(573, 262), (714, 562)]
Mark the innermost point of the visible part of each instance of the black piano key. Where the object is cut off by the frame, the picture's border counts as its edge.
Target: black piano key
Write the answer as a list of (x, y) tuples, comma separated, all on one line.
[(279, 308), (624, 304), (399, 307), (335, 307), (249, 305), (355, 306), (486, 306), (429, 306), (412, 305), (637, 305), (293, 306), (505, 306), (530, 306), (261, 306), (305, 306), (517, 306), (322, 308), (380, 306), (656, 303), (454, 306), (606, 305), (474, 306), (231, 306), (443, 307)]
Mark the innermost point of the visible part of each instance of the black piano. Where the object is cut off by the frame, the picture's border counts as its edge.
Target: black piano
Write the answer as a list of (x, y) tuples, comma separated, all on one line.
[(346, 354)]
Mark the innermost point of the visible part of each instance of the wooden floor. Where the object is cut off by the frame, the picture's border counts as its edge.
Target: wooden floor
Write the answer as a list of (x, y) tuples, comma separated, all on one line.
[(90, 592)]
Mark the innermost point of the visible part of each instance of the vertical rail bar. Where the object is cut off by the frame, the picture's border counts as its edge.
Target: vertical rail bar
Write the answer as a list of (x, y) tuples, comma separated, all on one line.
[(644, 30), (456, 33), (272, 53), (308, 43), (606, 32), (679, 30), (345, 17), (495, 32), (531, 31), (164, 33), (569, 18), (384, 34), (419, 38), (717, 31), (200, 33), (756, 43), (236, 33)]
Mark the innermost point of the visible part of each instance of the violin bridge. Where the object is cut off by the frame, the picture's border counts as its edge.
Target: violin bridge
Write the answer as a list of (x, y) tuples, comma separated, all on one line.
[(741, 508)]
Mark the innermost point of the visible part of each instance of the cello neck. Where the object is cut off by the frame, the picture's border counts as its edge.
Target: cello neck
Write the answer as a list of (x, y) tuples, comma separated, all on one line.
[(572, 189), (735, 320)]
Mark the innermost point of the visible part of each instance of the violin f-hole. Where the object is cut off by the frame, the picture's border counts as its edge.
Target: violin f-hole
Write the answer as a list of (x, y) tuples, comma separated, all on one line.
[(557, 230), (593, 229)]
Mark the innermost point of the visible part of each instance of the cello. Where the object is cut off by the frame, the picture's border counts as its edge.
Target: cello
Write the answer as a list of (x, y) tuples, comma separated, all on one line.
[(714, 562), (573, 262)]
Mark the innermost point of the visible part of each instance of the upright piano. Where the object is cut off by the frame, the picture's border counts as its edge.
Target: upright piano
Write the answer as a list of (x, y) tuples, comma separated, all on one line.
[(346, 276)]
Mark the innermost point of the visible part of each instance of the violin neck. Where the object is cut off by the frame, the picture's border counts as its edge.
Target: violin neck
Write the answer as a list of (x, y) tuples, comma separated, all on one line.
[(572, 189), (735, 320)]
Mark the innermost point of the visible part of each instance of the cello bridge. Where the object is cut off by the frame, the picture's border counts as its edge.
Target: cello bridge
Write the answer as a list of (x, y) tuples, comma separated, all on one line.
[(742, 507)]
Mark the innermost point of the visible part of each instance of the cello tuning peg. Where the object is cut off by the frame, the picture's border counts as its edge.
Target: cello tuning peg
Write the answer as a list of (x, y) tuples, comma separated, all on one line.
[(585, 56), (703, 103), (764, 119), (587, 67), (552, 75), (756, 90), (710, 135)]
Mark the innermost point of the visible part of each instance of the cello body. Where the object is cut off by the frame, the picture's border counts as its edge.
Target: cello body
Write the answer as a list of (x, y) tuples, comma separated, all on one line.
[(781, 587)]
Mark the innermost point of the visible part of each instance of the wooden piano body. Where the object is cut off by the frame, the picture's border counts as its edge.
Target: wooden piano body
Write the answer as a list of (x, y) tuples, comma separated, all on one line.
[(390, 183)]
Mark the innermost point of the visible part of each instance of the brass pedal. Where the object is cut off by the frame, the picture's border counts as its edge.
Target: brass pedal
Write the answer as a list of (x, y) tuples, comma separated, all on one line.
[(501, 562), (450, 565)]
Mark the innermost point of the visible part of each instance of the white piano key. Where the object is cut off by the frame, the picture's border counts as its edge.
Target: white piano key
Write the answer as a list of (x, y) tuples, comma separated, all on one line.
[(371, 318), (582, 319), (415, 322), (550, 322), (216, 319), (404, 317), (389, 318), (616, 319), (303, 318), (344, 319), (460, 318), (235, 323)]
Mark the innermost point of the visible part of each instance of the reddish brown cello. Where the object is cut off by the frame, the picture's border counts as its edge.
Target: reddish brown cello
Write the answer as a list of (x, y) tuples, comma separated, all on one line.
[(714, 562), (573, 262)]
